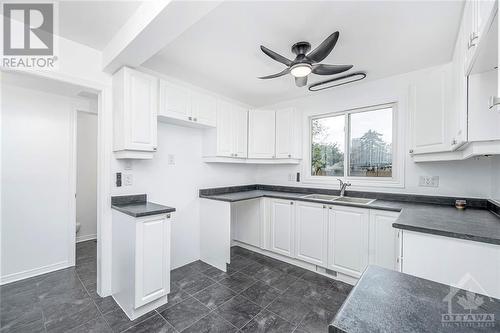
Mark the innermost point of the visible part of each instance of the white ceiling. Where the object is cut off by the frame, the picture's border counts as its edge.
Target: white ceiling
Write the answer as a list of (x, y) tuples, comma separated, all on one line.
[(93, 23), (221, 51)]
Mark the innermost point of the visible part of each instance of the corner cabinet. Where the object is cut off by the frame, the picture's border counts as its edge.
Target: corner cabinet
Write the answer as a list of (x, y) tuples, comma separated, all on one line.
[(140, 262), (348, 240), (135, 108)]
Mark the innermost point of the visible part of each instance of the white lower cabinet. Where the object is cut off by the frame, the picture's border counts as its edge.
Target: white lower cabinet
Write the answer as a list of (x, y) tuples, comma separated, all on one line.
[(384, 239), (348, 240), (140, 262), (466, 264), (311, 232), (281, 225), (340, 238)]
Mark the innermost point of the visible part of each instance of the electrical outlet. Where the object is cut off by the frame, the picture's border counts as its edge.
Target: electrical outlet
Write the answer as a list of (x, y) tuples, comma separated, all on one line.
[(171, 159), (428, 181), (128, 179), (290, 177)]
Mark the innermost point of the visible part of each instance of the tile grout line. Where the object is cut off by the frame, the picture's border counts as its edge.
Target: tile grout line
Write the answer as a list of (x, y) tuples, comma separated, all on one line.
[(93, 301)]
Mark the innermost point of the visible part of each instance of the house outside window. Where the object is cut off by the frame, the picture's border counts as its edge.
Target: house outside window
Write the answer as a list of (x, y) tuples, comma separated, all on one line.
[(357, 145)]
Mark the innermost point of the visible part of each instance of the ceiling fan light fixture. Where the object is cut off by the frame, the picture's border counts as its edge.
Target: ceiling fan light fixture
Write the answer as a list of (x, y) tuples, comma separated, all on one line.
[(301, 70)]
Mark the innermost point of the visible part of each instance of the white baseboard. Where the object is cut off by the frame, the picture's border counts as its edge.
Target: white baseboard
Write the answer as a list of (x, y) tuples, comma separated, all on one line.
[(311, 267), (85, 238), (33, 272)]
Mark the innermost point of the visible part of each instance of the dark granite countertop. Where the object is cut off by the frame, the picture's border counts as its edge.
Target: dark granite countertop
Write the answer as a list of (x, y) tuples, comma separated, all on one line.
[(433, 215), (138, 206), (389, 301)]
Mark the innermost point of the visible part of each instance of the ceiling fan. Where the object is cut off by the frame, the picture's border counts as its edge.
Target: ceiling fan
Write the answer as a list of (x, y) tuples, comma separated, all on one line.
[(305, 64)]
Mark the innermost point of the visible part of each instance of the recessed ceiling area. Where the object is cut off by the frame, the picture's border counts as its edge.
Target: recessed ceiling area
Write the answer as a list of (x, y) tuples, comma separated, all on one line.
[(382, 38), (94, 23)]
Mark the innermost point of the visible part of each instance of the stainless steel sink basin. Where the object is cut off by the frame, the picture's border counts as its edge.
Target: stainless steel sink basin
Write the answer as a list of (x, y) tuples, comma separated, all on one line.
[(361, 201), (320, 197)]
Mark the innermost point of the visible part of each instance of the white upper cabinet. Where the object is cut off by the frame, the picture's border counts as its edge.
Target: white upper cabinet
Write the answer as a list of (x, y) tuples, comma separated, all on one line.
[(287, 134), (231, 131), (261, 133), (348, 240), (204, 109), (174, 101), (483, 122), (429, 103), (182, 106), (240, 133), (225, 141), (477, 18), (273, 134), (311, 232), (135, 108)]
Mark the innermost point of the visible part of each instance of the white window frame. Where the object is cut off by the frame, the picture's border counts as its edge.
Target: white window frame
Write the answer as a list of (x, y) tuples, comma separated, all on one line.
[(397, 179)]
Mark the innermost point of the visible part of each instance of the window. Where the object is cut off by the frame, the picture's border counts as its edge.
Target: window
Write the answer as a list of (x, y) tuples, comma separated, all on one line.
[(364, 151)]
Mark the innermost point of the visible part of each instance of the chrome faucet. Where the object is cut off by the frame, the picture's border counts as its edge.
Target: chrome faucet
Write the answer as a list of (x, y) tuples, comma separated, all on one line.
[(343, 186)]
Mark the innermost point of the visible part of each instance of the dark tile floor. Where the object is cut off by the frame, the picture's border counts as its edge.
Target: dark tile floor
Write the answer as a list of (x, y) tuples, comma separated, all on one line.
[(257, 294)]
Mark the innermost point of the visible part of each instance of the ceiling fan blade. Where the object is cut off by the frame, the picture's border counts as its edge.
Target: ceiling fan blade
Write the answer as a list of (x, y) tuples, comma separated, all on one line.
[(322, 69), (324, 49), (275, 56), (301, 81), (272, 76)]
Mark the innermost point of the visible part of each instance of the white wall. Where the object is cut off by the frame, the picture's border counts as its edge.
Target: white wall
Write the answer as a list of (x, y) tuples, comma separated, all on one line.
[(495, 178), (86, 175), (36, 200), (470, 178), (177, 185)]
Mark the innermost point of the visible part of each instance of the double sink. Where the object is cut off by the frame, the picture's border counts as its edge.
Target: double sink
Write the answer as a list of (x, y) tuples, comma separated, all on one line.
[(334, 198)]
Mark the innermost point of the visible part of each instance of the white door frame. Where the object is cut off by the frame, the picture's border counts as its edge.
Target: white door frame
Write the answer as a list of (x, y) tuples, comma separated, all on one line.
[(104, 155)]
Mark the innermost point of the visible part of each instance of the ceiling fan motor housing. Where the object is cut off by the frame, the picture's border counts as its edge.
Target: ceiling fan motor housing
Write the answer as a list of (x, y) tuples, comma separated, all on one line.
[(301, 48)]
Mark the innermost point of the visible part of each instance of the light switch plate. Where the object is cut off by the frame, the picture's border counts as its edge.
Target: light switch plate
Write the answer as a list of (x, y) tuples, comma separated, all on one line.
[(128, 179), (171, 159), (428, 181)]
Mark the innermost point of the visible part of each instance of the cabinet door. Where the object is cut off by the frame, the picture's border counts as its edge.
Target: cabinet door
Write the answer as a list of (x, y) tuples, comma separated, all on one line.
[(204, 109), (240, 131), (141, 109), (384, 241), (285, 134), (429, 102), (348, 240), (246, 217), (483, 123), (175, 101), (457, 116), (152, 260), (311, 232), (224, 129), (282, 227), (261, 133)]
